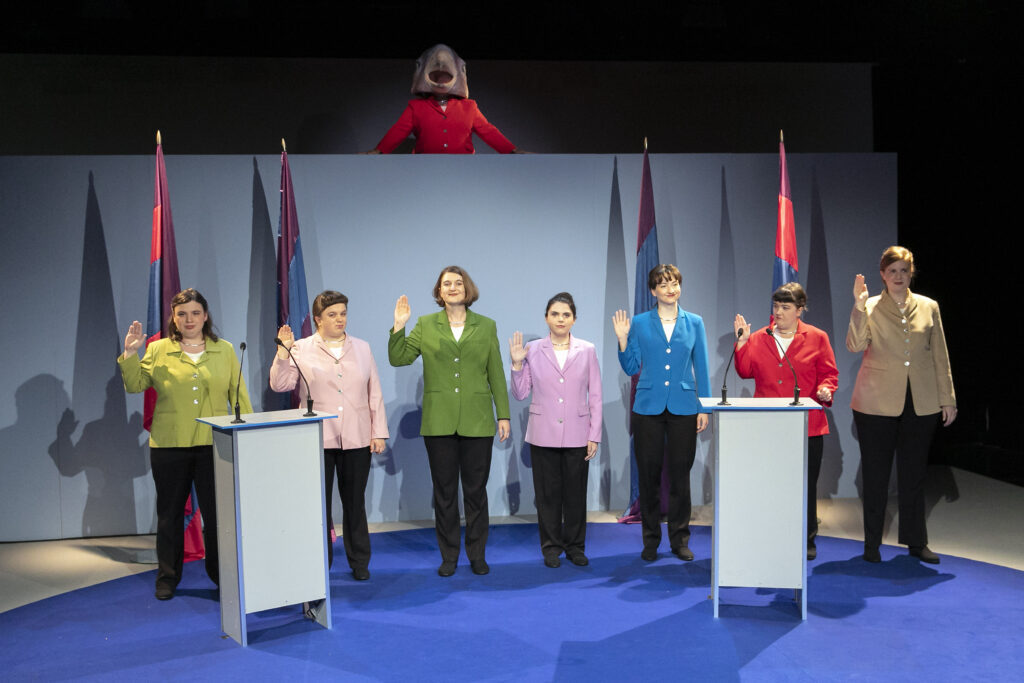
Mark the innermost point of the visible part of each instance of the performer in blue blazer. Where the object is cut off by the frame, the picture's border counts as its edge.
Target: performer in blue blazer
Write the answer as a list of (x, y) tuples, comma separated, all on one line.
[(668, 347)]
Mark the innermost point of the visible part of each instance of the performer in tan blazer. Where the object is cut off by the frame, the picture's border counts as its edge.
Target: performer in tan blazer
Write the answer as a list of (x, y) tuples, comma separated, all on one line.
[(904, 387)]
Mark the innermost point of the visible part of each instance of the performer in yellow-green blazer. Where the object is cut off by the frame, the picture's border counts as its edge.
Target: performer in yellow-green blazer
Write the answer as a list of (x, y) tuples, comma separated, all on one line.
[(463, 384), (195, 374)]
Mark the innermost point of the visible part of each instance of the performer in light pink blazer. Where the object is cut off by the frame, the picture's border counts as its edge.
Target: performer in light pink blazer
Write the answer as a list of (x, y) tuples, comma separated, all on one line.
[(343, 381), (564, 427)]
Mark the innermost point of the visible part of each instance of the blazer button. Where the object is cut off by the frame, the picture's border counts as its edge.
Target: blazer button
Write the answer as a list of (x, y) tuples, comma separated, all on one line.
[(780, 381), (339, 391), (341, 408), (668, 350), (906, 363), (195, 376), (456, 390), (446, 144), (561, 380), (456, 374), (561, 400), (668, 367), (559, 420), (195, 401), (666, 384), (904, 321), (456, 360), (195, 388)]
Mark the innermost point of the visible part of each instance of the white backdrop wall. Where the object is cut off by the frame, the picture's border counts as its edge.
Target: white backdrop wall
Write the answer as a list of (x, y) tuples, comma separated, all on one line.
[(75, 260)]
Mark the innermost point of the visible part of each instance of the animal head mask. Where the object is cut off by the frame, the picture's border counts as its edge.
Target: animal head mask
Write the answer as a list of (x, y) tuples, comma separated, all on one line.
[(439, 71)]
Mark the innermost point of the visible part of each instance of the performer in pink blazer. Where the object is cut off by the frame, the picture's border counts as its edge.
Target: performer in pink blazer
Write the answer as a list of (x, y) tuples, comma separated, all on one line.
[(343, 380), (564, 427)]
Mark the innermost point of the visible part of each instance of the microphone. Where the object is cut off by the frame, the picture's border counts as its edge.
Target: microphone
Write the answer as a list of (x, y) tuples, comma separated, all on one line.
[(309, 395), (796, 384), (238, 411), (725, 400)]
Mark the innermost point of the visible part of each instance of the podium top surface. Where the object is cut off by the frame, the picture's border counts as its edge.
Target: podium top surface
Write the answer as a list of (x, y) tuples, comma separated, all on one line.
[(257, 420), (751, 404)]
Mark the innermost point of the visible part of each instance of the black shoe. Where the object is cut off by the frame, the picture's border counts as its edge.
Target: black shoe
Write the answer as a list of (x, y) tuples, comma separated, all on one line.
[(683, 553), (923, 553), (360, 573), (649, 554), (447, 568), (311, 610), (578, 559), (871, 554), (812, 551), (479, 567), (552, 561), (164, 592)]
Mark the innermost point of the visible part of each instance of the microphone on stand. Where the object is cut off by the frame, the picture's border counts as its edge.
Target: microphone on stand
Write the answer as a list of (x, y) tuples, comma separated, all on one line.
[(796, 384), (238, 411), (309, 396), (725, 399)]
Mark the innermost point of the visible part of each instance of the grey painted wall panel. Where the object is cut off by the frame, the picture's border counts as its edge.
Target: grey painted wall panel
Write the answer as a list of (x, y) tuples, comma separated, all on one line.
[(376, 227)]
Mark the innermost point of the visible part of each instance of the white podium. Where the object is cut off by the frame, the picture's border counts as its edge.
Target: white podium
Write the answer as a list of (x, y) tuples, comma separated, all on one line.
[(759, 537), (271, 517)]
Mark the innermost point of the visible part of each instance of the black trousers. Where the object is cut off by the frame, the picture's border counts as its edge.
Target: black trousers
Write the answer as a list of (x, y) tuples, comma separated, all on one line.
[(909, 437), (560, 483), (467, 458), (174, 472), (672, 439), (815, 451), (353, 467)]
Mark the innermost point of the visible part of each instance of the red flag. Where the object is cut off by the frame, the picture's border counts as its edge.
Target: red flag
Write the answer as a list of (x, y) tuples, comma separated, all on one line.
[(164, 283)]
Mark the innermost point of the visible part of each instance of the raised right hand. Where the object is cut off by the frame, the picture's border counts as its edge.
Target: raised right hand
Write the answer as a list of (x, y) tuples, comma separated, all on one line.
[(287, 337), (134, 339), (516, 350), (860, 291), (402, 312), (621, 322), (739, 325)]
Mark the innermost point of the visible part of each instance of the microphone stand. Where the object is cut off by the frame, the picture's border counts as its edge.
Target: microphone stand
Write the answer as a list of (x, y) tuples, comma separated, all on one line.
[(309, 395), (725, 391), (238, 411), (796, 384)]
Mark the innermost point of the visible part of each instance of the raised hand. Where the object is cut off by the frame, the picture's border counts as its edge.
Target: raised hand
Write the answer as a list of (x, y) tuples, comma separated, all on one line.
[(516, 350), (860, 291), (134, 339), (741, 325), (402, 312), (620, 322), (287, 337)]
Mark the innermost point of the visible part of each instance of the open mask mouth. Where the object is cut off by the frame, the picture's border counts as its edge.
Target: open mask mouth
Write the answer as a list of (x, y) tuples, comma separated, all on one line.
[(440, 78)]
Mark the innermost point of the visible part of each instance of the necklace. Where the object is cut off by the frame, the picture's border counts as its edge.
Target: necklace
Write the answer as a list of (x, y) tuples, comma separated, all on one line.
[(339, 340), (557, 345), (669, 320), (194, 346)]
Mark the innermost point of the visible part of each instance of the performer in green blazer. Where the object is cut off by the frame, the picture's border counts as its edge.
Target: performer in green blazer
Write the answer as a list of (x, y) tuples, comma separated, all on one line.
[(463, 383), (195, 374)]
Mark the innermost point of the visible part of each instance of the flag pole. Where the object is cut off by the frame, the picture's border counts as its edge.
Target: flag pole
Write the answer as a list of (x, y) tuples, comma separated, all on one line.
[(284, 148), (158, 136), (780, 136)]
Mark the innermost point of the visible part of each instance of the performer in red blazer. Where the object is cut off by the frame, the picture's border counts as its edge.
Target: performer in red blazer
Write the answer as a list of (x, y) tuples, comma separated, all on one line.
[(564, 427), (758, 356), (442, 117)]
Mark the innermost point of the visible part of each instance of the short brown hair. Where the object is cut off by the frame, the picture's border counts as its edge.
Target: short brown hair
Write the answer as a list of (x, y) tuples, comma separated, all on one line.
[(663, 272), (791, 293), (896, 253), (326, 299), (472, 293)]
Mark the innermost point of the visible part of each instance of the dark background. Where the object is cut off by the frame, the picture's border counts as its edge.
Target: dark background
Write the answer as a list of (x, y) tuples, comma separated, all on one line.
[(943, 75)]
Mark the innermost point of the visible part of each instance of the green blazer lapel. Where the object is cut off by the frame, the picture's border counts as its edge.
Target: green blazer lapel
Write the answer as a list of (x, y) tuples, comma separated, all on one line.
[(472, 323)]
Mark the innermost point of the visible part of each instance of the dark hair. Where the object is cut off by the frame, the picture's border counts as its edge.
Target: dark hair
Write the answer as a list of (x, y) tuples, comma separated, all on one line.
[(326, 299), (561, 297), (896, 253), (184, 297), (791, 293), (663, 272), (472, 293)]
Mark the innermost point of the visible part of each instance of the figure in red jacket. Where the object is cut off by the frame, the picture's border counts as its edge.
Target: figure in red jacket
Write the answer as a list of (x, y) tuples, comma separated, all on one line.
[(442, 117)]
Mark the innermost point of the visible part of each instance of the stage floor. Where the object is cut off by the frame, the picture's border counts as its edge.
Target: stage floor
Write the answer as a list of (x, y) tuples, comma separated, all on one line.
[(969, 516)]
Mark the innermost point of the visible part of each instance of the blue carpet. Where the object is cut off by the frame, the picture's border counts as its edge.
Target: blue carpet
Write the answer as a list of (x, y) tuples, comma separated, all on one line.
[(620, 619)]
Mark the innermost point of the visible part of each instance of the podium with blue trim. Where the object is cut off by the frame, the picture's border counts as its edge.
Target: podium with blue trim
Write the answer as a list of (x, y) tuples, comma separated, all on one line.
[(271, 515), (759, 537)]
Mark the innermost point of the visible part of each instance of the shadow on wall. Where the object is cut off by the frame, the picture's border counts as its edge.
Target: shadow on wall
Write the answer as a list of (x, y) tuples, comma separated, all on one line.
[(819, 312), (615, 393), (108, 450), (261, 320)]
